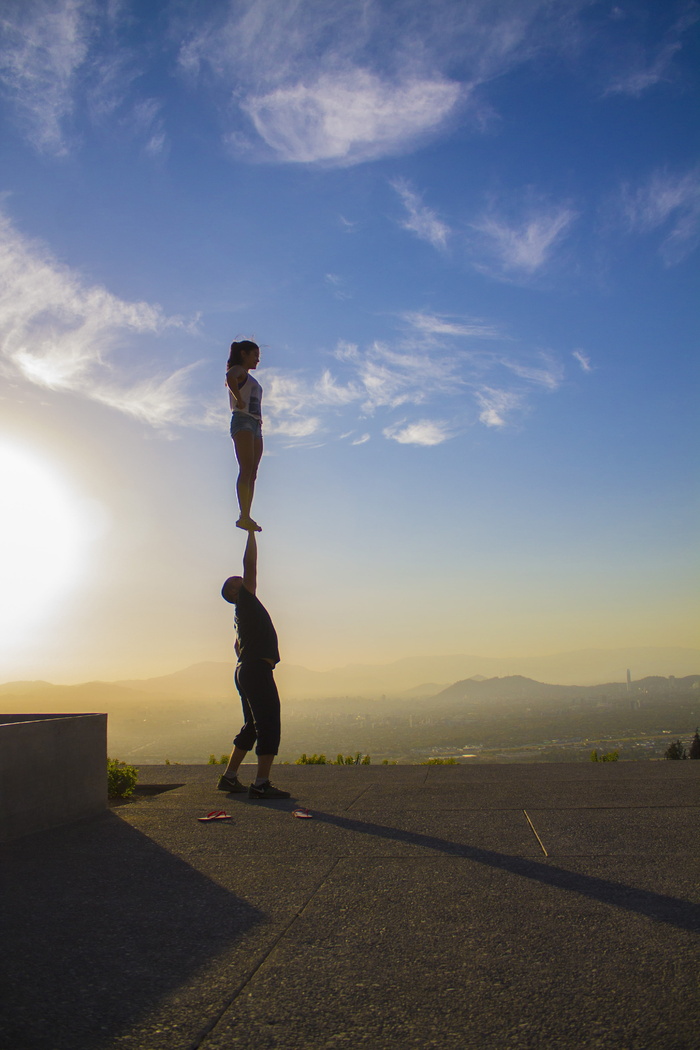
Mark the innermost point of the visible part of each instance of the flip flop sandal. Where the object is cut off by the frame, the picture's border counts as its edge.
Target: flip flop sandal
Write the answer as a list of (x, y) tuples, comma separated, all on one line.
[(302, 813), (216, 814)]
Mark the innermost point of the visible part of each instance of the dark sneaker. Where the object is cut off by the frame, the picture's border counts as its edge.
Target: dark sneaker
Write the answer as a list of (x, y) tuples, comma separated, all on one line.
[(230, 784), (266, 790)]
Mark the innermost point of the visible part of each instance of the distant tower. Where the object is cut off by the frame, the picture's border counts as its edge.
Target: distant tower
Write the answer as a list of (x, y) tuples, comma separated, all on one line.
[(629, 679)]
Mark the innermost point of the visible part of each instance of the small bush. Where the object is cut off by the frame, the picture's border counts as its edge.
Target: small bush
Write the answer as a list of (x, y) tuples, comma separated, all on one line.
[(675, 751), (121, 779), (389, 762), (340, 760), (440, 762), (694, 751), (214, 761), (611, 756)]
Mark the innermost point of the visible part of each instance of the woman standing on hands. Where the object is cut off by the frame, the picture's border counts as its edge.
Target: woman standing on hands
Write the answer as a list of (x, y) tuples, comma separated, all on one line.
[(245, 396)]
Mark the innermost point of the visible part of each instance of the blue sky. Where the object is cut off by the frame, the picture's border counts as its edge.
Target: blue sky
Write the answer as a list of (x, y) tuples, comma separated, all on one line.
[(465, 235)]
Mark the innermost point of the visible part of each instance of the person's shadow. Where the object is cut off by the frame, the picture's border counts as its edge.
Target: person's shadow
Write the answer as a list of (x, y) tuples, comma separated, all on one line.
[(662, 908), (98, 925)]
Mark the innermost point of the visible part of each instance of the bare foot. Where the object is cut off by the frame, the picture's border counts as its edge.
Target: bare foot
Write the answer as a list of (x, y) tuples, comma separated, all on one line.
[(248, 525)]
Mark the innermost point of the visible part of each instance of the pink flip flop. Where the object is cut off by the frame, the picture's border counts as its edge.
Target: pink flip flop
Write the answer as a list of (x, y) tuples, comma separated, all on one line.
[(302, 813), (216, 814)]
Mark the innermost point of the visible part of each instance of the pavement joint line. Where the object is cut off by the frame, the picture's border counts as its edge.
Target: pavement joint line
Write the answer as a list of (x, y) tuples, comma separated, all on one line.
[(207, 1031), (602, 809), (363, 792), (534, 831)]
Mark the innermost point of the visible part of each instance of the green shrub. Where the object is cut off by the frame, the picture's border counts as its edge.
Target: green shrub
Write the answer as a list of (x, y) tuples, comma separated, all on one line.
[(389, 762), (611, 756), (675, 751), (340, 760), (214, 761), (121, 779), (440, 762)]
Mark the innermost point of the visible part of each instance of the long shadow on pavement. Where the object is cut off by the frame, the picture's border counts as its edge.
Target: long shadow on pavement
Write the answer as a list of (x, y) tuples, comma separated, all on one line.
[(98, 924), (657, 906)]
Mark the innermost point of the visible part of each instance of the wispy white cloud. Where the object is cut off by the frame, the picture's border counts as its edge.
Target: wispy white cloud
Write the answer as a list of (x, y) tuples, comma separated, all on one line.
[(60, 333), (549, 373), (422, 432), (421, 220), (329, 392), (386, 383), (146, 118), (319, 83), (440, 325), (65, 67), (497, 406), (525, 246), (347, 82), (639, 68), (669, 203), (347, 225), (337, 83), (648, 73), (45, 44), (583, 360), (350, 116), (339, 286), (157, 401), (449, 372), (286, 406)]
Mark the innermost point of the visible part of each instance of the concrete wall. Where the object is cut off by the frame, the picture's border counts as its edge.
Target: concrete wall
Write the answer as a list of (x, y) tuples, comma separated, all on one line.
[(53, 770)]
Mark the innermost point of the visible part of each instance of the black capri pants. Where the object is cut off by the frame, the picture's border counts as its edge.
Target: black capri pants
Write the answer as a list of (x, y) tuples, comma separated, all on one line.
[(255, 682)]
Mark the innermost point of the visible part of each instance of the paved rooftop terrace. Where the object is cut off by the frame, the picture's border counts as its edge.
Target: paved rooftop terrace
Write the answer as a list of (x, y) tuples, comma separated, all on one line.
[(534, 906)]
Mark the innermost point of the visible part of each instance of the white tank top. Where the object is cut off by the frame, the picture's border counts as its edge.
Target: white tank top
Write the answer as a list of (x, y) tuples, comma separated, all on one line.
[(250, 393)]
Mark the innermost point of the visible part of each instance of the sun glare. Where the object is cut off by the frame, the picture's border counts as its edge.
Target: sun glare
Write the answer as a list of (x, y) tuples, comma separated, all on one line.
[(44, 534)]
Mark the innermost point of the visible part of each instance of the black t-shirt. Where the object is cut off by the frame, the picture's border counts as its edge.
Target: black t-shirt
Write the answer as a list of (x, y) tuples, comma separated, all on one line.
[(256, 635)]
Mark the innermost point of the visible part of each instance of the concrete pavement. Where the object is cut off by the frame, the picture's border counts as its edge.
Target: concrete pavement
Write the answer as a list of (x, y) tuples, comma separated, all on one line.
[(520, 906)]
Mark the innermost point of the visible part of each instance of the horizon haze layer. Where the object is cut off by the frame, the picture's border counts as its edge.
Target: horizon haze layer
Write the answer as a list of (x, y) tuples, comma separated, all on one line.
[(424, 675)]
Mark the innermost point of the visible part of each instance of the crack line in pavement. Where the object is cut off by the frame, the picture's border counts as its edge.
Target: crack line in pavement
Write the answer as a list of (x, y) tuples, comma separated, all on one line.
[(534, 831), (364, 791), (214, 1022)]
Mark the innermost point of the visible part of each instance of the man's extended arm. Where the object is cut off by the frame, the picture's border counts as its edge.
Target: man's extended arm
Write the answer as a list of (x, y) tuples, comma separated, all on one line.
[(250, 563)]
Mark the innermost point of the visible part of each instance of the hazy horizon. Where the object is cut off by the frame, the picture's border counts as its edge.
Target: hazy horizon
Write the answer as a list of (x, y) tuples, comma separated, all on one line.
[(466, 237), (582, 667)]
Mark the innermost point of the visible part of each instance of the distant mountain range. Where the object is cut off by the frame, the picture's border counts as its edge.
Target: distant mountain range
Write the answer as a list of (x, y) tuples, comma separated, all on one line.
[(189, 715), (485, 691), (410, 679), (427, 675)]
